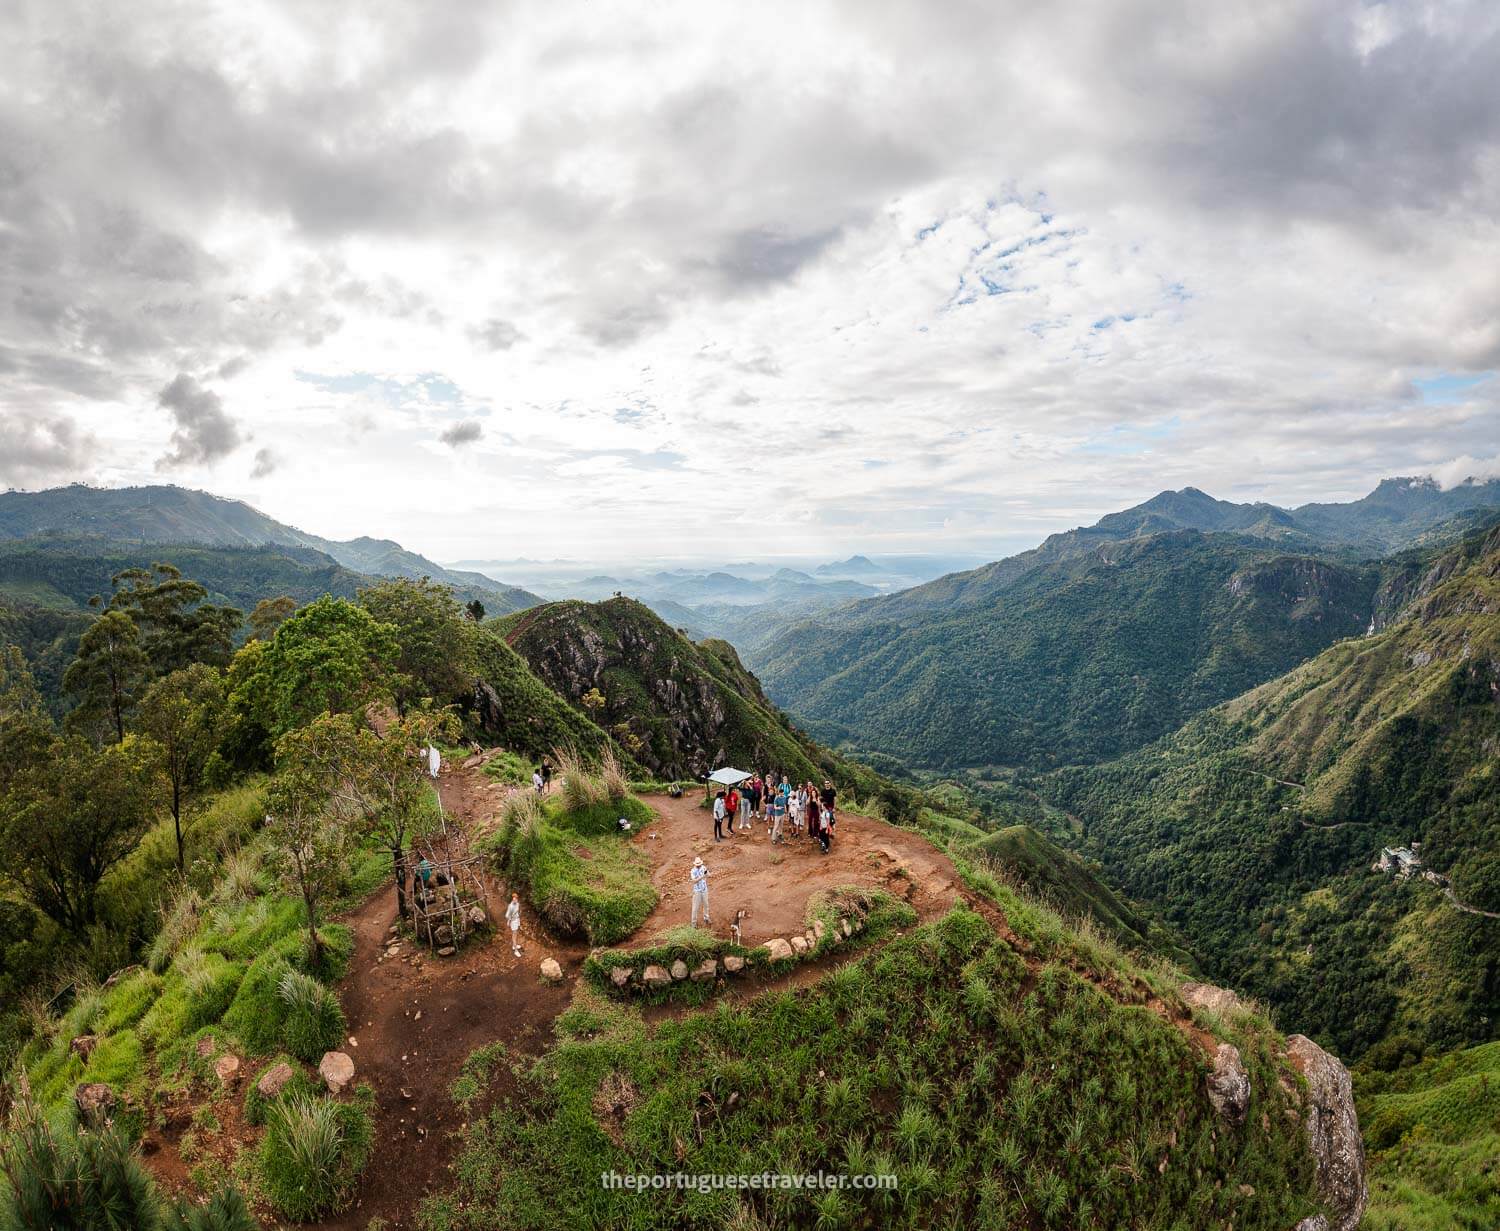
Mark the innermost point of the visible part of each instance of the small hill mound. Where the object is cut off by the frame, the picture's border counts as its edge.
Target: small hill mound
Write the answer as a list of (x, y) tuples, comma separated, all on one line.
[(681, 709)]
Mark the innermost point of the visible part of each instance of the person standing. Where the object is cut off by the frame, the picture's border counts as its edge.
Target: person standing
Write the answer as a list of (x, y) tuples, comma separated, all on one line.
[(827, 800), (777, 808), (700, 891), (513, 918), (745, 811), (537, 784), (720, 808), (546, 776), (731, 808)]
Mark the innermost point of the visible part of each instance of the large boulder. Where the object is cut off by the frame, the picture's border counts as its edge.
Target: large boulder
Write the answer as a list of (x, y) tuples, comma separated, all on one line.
[(273, 1081), (779, 950), (1229, 1084), (551, 970), (1218, 1000), (707, 970), (733, 964), (679, 970), (95, 1101), (1332, 1133), (656, 976), (336, 1070)]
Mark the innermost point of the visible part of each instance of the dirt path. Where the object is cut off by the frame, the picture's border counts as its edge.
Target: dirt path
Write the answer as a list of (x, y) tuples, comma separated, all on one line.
[(773, 883), (414, 1018)]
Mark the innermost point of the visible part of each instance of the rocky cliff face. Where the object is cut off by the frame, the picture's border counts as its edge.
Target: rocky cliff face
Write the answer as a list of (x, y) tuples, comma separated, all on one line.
[(679, 708), (1328, 1115)]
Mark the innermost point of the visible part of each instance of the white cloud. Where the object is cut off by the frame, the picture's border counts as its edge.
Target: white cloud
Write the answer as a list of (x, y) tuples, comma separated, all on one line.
[(911, 273)]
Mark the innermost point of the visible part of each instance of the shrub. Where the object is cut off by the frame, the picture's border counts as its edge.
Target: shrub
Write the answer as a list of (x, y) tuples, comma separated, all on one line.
[(224, 1211), (314, 1020), (312, 1155), (72, 1181)]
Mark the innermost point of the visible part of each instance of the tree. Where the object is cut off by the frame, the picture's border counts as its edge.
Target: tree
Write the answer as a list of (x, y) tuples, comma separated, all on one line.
[(18, 691), (377, 780), (476, 610), (177, 626), (309, 838), (269, 615), (108, 672), (429, 626), (69, 813), (331, 657), (184, 714), (593, 701)]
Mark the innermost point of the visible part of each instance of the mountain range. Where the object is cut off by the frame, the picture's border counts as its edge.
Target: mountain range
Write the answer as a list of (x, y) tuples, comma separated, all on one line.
[(1106, 637), (150, 516)]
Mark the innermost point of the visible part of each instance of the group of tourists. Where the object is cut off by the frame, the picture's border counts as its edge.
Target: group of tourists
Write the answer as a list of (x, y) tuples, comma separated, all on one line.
[(787, 810)]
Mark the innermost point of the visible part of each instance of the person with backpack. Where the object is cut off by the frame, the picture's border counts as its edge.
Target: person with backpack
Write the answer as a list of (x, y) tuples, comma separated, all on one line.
[(827, 799), (720, 808)]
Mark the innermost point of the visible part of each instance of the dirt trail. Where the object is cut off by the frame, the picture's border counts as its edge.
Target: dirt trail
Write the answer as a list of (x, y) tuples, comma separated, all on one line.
[(481, 995), (773, 883)]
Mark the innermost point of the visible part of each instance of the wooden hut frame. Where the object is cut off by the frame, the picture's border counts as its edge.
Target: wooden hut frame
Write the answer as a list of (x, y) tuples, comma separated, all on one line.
[(455, 888)]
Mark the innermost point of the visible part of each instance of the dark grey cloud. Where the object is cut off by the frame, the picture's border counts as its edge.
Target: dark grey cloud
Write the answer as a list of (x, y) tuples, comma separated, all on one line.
[(266, 463), (465, 432), (37, 448), (496, 334), (204, 432)]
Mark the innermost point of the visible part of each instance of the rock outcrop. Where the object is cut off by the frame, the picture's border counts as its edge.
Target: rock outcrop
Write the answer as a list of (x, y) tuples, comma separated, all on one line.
[(1229, 1084), (95, 1102), (1332, 1132), (336, 1070)]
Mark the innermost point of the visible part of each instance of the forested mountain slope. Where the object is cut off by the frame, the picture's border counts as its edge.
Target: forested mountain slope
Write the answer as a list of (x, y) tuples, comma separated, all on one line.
[(1079, 659), (174, 515), (1256, 825)]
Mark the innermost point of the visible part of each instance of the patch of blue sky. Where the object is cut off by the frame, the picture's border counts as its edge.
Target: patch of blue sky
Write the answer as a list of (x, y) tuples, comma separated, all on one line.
[(432, 388), (1449, 387), (1130, 440)]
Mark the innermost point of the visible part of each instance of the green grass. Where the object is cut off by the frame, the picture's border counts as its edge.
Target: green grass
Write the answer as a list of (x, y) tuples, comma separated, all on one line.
[(474, 1078), (584, 878), (1432, 1137), (313, 1153), (995, 1099)]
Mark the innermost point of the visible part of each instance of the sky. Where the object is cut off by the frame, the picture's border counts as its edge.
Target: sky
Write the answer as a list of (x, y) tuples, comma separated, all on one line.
[(701, 279)]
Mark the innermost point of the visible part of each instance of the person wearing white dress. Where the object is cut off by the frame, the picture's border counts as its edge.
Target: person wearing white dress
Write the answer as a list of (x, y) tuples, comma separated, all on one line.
[(513, 917)]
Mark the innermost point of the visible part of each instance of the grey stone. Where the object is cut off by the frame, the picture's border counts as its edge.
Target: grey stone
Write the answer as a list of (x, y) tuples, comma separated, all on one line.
[(619, 975), (1332, 1133), (656, 976), (1218, 1000), (799, 945), (706, 970), (551, 971), (1229, 1084), (778, 950), (336, 1070), (227, 1069), (679, 970), (447, 951), (733, 964)]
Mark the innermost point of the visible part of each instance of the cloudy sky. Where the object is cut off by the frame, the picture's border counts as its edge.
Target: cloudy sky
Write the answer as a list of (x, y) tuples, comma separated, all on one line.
[(564, 279)]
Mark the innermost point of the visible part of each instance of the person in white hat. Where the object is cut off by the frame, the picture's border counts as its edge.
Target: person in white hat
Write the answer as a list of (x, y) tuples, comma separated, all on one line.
[(700, 891)]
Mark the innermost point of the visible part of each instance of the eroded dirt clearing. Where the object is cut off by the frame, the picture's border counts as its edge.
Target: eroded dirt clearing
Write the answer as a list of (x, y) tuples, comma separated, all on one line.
[(773, 883)]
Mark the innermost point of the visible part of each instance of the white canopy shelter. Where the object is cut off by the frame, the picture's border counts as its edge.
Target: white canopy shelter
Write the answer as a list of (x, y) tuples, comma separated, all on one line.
[(728, 776)]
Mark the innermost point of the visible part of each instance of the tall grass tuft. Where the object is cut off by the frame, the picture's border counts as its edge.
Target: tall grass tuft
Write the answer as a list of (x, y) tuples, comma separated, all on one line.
[(179, 921), (239, 878), (301, 1155), (314, 1020), (582, 786), (613, 777)]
